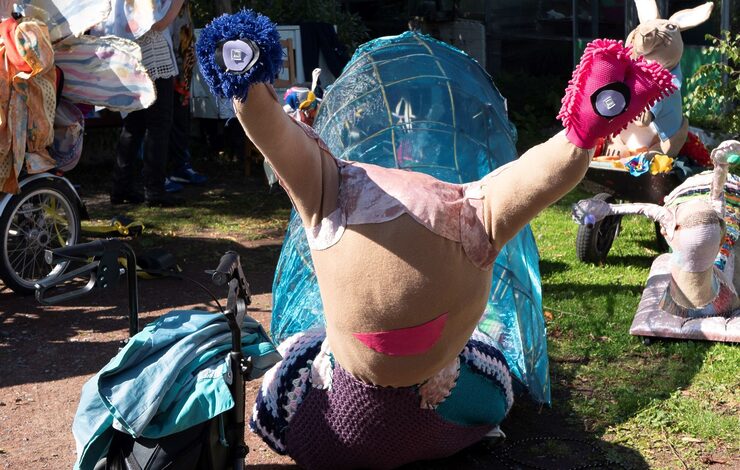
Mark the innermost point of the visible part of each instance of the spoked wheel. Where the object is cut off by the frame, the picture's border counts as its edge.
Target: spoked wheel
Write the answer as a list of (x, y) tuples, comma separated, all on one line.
[(43, 216), (593, 243)]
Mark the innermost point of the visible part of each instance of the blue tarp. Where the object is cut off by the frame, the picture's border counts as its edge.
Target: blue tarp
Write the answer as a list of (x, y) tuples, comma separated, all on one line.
[(413, 102)]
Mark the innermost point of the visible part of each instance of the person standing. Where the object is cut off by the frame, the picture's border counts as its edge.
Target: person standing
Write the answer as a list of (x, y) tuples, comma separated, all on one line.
[(149, 126), (183, 41)]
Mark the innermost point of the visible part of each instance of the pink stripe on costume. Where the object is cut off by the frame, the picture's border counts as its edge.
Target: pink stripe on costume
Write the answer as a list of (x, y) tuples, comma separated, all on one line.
[(405, 341)]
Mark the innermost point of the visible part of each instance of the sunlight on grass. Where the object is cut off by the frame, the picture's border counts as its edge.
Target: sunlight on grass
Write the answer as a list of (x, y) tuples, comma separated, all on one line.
[(226, 212), (676, 403), (671, 400)]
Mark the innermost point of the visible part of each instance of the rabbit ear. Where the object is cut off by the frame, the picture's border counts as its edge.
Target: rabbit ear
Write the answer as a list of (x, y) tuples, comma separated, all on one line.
[(647, 10), (686, 19)]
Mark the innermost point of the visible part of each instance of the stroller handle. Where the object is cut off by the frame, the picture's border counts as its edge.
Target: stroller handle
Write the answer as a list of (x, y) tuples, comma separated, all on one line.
[(227, 265), (94, 248), (103, 271)]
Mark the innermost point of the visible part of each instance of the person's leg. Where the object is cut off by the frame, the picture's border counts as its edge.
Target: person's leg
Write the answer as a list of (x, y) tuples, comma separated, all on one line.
[(182, 171), (125, 183), (179, 134), (156, 142)]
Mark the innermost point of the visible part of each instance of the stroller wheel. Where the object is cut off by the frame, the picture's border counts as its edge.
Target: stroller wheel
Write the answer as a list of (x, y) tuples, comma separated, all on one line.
[(44, 215)]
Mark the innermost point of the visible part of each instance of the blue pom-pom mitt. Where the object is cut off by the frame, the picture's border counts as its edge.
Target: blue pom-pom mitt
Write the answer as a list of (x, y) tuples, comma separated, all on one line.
[(245, 24)]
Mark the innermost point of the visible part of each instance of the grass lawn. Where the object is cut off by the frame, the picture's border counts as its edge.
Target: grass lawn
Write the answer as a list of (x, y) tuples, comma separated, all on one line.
[(676, 403)]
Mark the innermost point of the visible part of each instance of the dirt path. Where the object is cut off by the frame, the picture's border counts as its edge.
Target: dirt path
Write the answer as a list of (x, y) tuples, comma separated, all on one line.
[(47, 353)]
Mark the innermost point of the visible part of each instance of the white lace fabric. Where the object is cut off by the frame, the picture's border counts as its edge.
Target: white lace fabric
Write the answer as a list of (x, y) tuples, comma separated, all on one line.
[(157, 55)]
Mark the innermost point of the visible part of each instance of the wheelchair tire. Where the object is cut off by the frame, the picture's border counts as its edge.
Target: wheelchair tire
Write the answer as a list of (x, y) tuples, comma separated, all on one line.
[(44, 215), (593, 243)]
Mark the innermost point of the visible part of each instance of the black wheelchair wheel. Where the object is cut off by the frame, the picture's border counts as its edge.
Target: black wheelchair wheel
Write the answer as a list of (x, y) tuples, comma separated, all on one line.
[(44, 215), (593, 243)]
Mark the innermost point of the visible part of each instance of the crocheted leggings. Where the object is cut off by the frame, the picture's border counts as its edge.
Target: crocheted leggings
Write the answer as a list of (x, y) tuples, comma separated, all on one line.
[(313, 410)]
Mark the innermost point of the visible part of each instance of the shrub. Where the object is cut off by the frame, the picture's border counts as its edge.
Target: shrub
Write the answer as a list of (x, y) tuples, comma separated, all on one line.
[(714, 102)]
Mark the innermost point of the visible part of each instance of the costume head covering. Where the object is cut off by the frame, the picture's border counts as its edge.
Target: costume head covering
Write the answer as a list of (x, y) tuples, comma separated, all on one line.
[(459, 132)]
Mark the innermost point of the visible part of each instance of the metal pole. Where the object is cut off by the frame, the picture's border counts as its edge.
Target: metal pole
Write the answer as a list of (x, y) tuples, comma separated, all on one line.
[(724, 25), (663, 7), (133, 286), (724, 22), (574, 7), (594, 19), (627, 18)]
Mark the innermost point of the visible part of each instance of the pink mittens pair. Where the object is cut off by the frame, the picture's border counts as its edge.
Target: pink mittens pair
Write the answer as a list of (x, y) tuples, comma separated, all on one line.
[(608, 90)]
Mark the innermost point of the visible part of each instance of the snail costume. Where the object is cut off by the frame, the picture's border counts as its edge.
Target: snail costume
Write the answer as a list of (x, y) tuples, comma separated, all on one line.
[(400, 372)]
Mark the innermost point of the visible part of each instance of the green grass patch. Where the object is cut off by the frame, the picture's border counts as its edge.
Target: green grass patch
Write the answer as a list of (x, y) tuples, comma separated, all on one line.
[(674, 400), (230, 206)]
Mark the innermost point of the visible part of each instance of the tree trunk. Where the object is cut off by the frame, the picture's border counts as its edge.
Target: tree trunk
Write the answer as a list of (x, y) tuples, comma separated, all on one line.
[(223, 6)]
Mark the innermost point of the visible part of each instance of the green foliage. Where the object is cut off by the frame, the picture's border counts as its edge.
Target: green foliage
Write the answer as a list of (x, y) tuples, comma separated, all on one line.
[(533, 103), (350, 28), (667, 398), (202, 11), (716, 86)]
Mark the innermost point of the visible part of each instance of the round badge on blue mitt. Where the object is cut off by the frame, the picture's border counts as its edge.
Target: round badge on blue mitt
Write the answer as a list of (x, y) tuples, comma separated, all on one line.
[(236, 51)]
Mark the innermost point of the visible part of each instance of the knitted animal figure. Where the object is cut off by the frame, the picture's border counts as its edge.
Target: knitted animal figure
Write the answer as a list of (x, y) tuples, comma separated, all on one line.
[(303, 103), (664, 128), (693, 221), (400, 372)]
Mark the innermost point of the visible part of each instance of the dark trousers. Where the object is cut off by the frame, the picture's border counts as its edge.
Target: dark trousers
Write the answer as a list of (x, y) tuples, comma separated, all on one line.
[(180, 134), (152, 127)]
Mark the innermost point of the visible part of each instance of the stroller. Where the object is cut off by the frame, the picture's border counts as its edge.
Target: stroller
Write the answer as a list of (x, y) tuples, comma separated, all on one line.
[(209, 444)]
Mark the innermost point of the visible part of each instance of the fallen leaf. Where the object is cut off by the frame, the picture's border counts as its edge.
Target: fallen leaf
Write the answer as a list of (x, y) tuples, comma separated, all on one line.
[(548, 315), (710, 459)]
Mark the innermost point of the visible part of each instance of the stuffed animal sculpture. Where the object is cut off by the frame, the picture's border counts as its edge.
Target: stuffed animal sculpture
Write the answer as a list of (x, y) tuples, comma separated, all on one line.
[(700, 226), (400, 372), (664, 128), (303, 103)]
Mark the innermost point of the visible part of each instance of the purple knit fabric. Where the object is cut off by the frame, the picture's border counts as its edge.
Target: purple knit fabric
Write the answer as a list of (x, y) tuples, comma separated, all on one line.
[(379, 427)]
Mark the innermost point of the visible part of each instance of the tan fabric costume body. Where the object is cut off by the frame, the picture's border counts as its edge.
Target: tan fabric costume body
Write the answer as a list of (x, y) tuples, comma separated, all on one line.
[(405, 249)]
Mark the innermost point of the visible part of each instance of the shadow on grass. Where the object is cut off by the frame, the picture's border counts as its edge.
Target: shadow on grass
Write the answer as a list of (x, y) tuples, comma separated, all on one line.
[(548, 267), (602, 376), (540, 437), (230, 205), (638, 261), (585, 291)]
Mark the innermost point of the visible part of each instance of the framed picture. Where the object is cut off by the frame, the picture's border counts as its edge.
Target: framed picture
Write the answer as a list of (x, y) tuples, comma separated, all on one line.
[(287, 76)]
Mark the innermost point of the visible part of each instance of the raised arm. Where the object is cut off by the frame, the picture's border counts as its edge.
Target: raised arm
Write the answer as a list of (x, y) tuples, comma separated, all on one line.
[(608, 90), (240, 55), (307, 173), (522, 189)]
